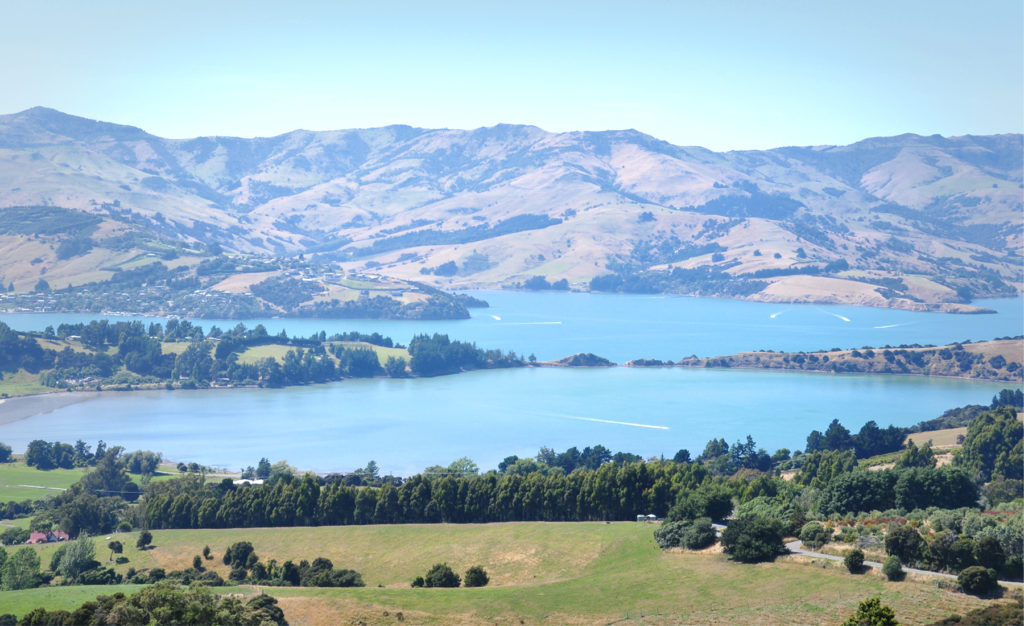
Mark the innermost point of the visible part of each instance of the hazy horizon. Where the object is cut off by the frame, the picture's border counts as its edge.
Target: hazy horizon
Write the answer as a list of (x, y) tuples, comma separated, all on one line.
[(723, 76)]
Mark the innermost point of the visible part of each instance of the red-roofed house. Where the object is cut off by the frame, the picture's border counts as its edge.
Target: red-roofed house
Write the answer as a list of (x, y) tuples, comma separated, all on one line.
[(50, 537)]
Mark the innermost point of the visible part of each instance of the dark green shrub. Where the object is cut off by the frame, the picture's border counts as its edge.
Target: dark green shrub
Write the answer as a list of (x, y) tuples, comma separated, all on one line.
[(873, 613), (977, 580), (753, 539), (476, 576), (695, 535), (670, 534), (238, 553), (700, 534), (854, 560), (418, 581), (892, 568), (441, 576), (814, 535)]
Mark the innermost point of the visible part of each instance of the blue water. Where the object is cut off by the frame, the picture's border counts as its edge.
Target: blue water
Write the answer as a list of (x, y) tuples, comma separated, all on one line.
[(624, 327), (406, 425)]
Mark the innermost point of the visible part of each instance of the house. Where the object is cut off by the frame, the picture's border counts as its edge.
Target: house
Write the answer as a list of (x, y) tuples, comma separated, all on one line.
[(248, 481), (48, 537)]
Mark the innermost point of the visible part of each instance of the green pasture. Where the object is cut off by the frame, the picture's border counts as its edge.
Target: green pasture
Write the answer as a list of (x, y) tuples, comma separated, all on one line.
[(556, 573)]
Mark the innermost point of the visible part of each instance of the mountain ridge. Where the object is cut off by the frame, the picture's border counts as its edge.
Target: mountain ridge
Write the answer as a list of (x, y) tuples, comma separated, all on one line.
[(888, 206)]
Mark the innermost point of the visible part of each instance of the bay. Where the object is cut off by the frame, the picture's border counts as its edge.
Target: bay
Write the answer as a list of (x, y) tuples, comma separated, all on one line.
[(620, 327), (406, 425)]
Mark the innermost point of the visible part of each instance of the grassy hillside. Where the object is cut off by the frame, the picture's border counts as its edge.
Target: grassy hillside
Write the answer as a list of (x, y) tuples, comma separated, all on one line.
[(998, 360), (541, 573), (858, 224)]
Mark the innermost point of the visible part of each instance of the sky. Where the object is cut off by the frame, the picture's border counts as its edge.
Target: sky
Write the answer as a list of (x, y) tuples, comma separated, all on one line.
[(721, 74)]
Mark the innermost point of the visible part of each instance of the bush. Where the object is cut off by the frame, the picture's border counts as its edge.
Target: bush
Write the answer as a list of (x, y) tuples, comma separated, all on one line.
[(814, 535), (476, 576), (238, 554), (753, 539), (700, 534), (977, 580), (441, 576), (145, 538), (695, 535), (854, 560), (873, 613), (892, 568), (418, 581)]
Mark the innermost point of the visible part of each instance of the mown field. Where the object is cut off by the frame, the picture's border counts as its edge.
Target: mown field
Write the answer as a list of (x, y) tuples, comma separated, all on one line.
[(555, 573), (20, 482), (278, 351)]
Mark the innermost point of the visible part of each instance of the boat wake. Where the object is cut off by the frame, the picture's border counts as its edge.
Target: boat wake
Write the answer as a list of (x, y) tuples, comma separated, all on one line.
[(595, 419)]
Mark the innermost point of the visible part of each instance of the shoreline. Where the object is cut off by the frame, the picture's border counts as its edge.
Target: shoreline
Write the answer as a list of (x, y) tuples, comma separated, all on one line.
[(17, 408)]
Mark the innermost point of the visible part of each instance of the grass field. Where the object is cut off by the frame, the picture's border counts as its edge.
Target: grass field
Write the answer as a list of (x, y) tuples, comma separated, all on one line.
[(258, 353), (558, 573), (278, 351), (21, 482), (21, 383), (946, 438), (382, 352)]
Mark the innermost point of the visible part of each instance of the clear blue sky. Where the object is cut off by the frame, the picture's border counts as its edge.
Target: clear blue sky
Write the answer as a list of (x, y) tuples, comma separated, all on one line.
[(723, 74)]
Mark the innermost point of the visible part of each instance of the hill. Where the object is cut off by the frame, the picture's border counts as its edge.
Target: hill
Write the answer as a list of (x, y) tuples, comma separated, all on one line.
[(561, 573), (912, 222), (998, 360)]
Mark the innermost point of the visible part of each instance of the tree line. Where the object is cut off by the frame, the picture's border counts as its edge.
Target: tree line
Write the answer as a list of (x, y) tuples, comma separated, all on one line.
[(127, 353)]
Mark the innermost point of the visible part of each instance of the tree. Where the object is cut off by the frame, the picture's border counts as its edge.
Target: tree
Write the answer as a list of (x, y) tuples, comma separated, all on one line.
[(440, 575), (395, 367), (854, 561), (5, 453), (476, 576), (74, 557), (872, 612), (463, 467), (892, 568), (145, 538), (988, 552), (237, 555), (904, 542), (39, 454), (714, 501), (977, 580), (753, 539), (263, 469), (917, 457), (21, 571), (115, 548), (993, 446)]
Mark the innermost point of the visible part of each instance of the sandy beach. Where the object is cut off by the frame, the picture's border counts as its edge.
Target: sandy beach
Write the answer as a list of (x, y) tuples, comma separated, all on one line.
[(14, 409)]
